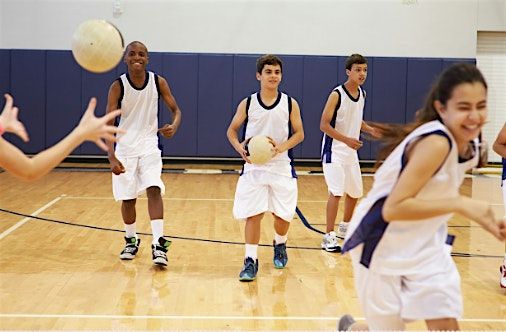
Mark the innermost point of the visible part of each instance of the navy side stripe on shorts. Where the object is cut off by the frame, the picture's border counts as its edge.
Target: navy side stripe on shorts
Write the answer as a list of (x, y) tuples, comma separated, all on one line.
[(369, 232)]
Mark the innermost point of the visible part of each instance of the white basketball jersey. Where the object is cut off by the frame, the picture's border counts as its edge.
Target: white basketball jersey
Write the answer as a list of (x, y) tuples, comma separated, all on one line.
[(139, 117), (400, 247), (272, 121), (347, 120)]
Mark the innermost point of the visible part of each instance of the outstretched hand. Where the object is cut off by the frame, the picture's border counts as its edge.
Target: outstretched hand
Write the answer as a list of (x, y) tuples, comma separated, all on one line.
[(9, 119), (96, 129)]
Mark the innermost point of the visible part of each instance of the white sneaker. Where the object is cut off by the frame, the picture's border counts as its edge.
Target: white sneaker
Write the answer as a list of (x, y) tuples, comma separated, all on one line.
[(502, 281), (329, 242), (341, 230)]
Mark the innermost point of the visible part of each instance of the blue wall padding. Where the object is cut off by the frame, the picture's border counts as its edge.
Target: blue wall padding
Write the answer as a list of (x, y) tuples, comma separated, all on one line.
[(28, 87), (52, 92), (421, 74), (319, 78), (389, 92), (181, 71), (215, 87), (63, 99), (5, 73)]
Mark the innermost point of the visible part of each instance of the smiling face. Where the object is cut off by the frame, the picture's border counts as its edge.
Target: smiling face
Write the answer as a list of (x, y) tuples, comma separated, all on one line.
[(465, 112), (136, 57), (270, 77)]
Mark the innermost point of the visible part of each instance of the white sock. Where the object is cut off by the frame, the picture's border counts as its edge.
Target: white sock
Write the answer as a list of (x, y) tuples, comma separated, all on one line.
[(130, 230), (278, 239), (504, 260), (251, 251), (157, 229)]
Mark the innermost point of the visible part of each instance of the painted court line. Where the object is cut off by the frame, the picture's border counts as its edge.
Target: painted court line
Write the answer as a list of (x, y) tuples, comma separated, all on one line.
[(194, 199), (25, 220), (175, 317), (178, 199)]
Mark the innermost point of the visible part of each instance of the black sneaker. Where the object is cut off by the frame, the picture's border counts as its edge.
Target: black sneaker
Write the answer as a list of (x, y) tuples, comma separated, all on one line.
[(131, 248), (249, 270), (280, 257), (160, 251)]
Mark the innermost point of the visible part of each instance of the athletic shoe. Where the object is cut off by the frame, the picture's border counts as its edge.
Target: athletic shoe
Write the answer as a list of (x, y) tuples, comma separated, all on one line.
[(502, 282), (329, 242), (160, 251), (341, 230), (345, 322), (249, 270), (280, 257), (131, 248)]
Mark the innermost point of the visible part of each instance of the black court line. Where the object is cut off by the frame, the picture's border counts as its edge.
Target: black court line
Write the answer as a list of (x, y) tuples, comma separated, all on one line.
[(68, 223), (108, 170), (299, 213), (455, 254)]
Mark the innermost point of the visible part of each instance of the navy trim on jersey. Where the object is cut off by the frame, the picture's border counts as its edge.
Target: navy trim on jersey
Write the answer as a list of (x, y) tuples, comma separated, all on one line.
[(248, 102), (476, 150), (338, 103), (404, 158), (278, 99), (349, 94), (121, 93), (369, 232), (157, 83), (290, 151), (327, 147), (450, 238), (504, 168), (243, 136), (146, 80), (363, 92)]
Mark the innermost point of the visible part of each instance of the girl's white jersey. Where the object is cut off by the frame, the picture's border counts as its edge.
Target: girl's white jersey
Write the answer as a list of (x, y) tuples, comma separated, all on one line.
[(139, 117), (347, 120), (272, 121), (401, 247)]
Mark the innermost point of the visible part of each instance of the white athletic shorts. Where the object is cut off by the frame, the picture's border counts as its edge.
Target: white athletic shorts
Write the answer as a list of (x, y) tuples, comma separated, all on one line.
[(343, 178), (390, 301), (259, 192), (140, 173)]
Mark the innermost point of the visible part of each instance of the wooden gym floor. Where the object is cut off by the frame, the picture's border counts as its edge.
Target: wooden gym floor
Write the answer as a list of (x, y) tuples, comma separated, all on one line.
[(68, 275)]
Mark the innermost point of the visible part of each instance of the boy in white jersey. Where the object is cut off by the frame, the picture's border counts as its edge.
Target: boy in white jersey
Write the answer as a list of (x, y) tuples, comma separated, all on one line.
[(500, 148), (341, 123), (397, 237), (136, 163), (270, 187)]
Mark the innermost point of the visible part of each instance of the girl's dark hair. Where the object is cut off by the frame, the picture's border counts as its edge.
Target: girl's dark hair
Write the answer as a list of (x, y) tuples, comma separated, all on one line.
[(441, 90), (268, 59)]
